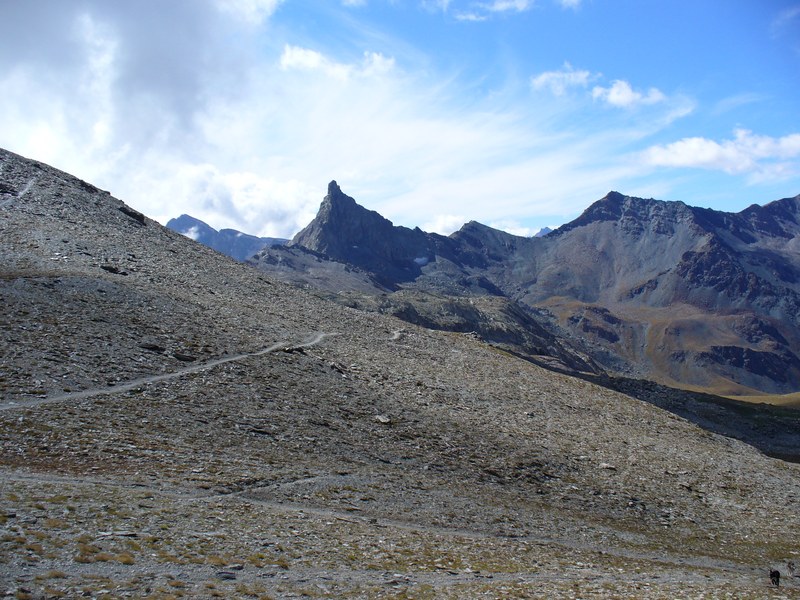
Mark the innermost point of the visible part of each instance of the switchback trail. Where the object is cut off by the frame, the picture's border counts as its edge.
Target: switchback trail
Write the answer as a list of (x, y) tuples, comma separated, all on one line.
[(129, 385)]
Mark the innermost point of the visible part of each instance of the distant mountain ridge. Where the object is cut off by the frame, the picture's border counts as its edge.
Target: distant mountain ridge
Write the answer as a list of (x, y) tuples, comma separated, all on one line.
[(662, 290), (231, 242)]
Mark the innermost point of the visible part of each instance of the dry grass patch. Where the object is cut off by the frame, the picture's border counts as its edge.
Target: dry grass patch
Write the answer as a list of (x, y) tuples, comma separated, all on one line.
[(51, 575)]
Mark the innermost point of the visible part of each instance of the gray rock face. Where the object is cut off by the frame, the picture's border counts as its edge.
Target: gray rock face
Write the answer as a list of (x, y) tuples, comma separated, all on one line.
[(233, 243)]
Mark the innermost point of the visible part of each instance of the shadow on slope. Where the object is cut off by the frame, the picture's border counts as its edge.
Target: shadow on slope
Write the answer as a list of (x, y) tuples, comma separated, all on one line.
[(773, 430)]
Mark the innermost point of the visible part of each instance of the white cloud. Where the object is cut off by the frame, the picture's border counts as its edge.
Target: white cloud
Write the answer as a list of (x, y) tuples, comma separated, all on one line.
[(354, 3), (622, 95), (500, 6), (570, 3), (192, 233), (444, 224), (759, 156), (252, 12), (558, 82), (736, 101), (483, 11), (471, 17), (296, 58), (513, 227), (436, 5)]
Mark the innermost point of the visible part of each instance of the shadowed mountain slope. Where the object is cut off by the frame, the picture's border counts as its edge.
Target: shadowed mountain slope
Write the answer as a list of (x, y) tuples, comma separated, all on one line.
[(174, 421)]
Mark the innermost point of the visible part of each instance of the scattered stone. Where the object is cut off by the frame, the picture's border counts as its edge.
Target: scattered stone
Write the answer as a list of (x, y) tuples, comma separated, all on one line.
[(133, 214), (153, 348), (113, 269)]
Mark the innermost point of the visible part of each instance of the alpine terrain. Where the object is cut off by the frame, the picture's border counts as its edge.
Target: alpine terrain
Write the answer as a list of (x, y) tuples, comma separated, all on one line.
[(654, 290), (174, 423)]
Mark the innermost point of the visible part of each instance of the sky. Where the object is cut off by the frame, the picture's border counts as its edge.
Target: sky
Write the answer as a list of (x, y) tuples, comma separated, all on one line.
[(515, 113)]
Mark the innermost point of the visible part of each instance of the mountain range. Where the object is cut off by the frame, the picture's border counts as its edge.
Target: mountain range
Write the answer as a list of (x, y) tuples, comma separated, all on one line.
[(235, 244), (682, 296)]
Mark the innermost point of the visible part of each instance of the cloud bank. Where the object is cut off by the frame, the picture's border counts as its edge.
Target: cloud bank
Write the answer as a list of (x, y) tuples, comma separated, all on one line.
[(758, 156), (214, 109)]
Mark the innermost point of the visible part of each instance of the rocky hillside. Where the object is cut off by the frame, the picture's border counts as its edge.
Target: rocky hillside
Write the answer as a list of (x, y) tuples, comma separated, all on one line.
[(176, 424), (658, 290), (231, 242)]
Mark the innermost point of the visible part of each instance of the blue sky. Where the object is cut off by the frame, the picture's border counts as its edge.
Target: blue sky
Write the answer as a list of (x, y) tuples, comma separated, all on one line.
[(515, 113)]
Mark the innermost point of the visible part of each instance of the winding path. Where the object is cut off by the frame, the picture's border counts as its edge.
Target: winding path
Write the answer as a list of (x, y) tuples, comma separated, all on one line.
[(129, 385)]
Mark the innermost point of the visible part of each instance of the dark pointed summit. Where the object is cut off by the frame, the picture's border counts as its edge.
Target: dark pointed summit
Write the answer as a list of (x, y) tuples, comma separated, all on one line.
[(333, 188), (347, 232), (335, 195)]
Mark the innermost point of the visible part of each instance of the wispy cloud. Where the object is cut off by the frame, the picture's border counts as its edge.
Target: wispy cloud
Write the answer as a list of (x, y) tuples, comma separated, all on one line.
[(501, 6), (785, 19), (758, 156), (471, 17), (483, 11), (558, 82), (251, 11), (297, 58), (621, 95), (570, 3), (733, 102), (436, 5)]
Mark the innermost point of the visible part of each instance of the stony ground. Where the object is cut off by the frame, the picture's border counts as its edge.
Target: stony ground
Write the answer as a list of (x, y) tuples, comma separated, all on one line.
[(174, 424)]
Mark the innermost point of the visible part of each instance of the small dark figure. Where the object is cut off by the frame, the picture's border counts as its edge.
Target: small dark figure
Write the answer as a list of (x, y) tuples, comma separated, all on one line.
[(775, 577)]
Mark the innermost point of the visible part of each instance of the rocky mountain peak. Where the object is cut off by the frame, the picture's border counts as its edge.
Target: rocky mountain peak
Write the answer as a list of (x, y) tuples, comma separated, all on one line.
[(341, 224), (347, 232), (338, 199), (608, 208), (779, 218)]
